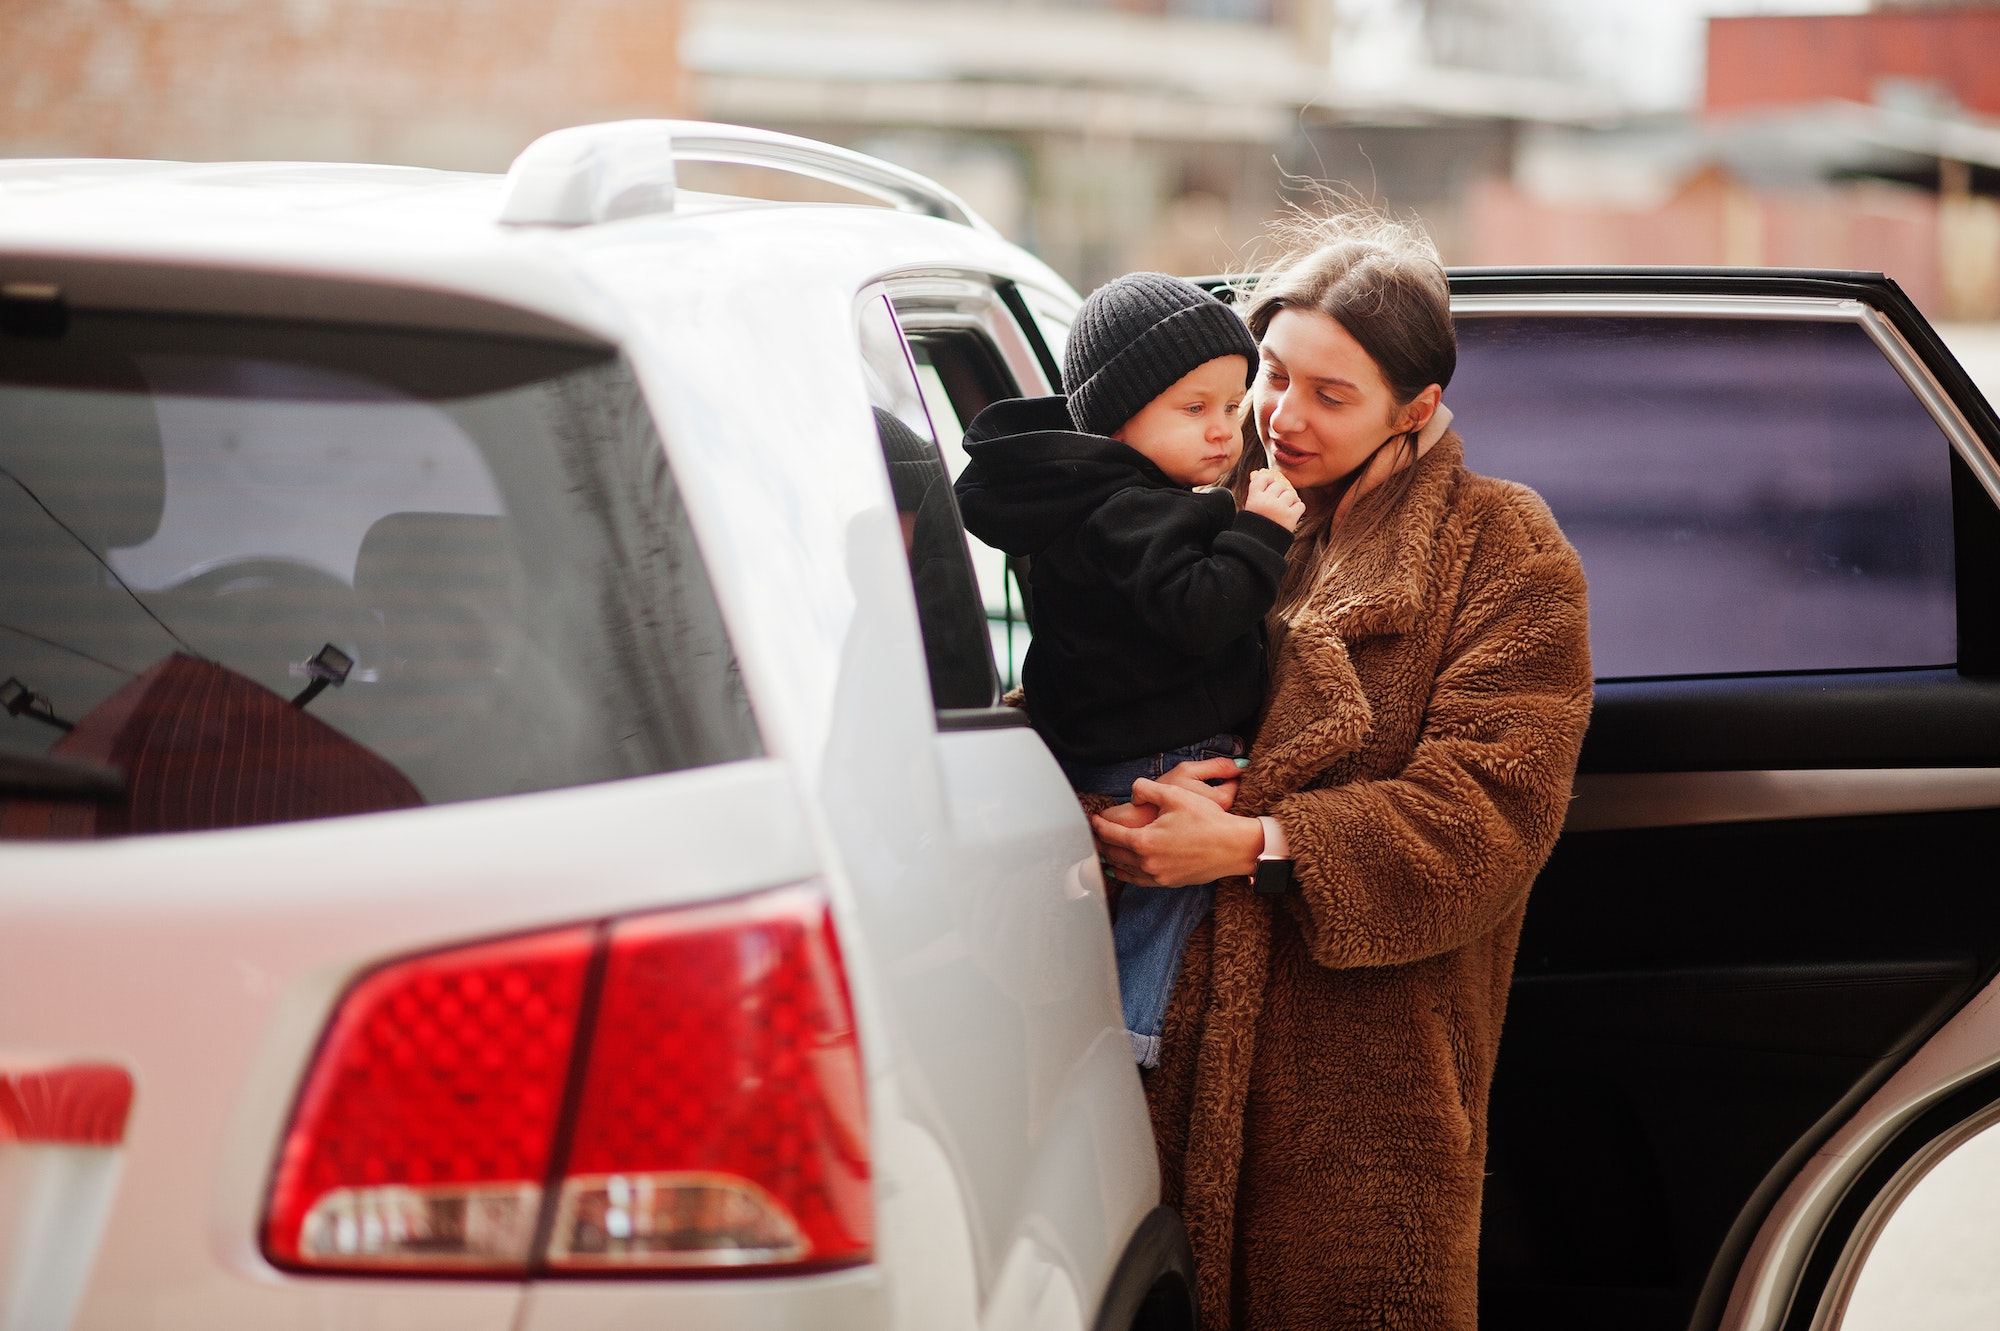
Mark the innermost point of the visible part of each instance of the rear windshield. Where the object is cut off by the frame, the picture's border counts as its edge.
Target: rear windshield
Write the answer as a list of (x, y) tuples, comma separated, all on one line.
[(255, 572)]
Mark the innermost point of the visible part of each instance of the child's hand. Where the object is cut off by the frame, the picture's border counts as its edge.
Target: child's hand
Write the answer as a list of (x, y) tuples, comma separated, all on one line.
[(1272, 496)]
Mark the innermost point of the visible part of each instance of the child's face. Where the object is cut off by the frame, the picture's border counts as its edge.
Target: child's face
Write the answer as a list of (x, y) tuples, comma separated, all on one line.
[(1194, 430)]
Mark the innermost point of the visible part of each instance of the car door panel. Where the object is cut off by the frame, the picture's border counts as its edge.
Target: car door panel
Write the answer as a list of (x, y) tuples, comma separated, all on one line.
[(1914, 718), (1691, 799), (1691, 1002), (1765, 898)]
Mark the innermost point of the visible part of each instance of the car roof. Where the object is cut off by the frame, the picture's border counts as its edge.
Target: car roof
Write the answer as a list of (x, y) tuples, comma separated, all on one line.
[(404, 244)]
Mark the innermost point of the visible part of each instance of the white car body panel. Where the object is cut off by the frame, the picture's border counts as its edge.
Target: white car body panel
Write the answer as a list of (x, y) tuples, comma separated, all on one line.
[(1009, 1139), (244, 939)]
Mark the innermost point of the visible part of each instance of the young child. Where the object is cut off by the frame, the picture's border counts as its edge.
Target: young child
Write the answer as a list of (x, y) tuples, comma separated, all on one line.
[(1147, 591)]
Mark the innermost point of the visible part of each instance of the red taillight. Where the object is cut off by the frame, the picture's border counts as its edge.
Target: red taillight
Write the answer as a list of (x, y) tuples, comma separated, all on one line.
[(423, 1134), (713, 1100), (721, 1117), (70, 1104)]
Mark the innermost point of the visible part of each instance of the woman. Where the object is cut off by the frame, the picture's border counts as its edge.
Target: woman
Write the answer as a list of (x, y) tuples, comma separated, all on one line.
[(1321, 1099)]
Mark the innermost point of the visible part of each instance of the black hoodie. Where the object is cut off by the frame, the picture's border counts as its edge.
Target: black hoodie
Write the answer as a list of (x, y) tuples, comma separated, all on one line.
[(1147, 598)]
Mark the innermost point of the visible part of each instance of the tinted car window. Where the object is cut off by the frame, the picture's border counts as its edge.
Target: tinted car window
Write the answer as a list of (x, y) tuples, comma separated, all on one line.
[(961, 375), (1747, 495), (266, 572), (949, 611)]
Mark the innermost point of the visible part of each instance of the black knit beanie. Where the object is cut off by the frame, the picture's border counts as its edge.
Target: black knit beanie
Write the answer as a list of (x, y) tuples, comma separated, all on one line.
[(1135, 337)]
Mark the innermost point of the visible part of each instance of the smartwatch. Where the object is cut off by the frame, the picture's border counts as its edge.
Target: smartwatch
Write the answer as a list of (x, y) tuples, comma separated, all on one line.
[(1273, 877)]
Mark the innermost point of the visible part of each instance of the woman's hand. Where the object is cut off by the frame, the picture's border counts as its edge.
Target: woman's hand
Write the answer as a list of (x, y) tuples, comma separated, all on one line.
[(1190, 776), (1169, 836)]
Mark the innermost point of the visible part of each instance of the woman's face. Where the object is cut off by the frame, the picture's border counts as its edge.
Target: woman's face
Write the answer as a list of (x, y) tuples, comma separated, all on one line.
[(1322, 405)]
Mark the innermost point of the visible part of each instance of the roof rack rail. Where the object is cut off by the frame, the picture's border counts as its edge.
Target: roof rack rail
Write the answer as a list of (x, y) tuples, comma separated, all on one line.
[(626, 168)]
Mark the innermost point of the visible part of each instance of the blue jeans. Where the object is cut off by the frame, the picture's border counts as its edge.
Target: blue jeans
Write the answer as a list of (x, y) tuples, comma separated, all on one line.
[(1153, 923)]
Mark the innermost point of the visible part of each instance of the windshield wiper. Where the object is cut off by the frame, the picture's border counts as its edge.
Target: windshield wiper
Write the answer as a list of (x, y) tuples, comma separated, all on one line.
[(51, 777)]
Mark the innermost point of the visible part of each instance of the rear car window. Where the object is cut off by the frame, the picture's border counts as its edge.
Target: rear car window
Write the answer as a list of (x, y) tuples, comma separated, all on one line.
[(1748, 496), (258, 572)]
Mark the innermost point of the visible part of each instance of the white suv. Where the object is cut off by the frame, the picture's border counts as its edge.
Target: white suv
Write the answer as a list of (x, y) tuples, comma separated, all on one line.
[(508, 817)]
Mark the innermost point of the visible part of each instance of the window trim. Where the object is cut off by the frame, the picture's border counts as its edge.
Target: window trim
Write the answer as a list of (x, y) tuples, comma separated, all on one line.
[(997, 717), (1017, 305), (965, 301)]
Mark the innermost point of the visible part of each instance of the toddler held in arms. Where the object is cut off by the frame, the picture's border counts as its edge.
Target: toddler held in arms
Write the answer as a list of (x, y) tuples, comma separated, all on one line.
[(1148, 590)]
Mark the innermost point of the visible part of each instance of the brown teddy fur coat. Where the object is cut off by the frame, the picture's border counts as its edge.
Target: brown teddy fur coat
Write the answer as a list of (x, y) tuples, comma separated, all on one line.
[(1321, 1099)]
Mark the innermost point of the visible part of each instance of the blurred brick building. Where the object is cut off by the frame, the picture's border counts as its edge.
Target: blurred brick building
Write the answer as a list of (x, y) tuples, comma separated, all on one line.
[(1106, 134), (1948, 51), (1117, 134), (451, 83), (1113, 134)]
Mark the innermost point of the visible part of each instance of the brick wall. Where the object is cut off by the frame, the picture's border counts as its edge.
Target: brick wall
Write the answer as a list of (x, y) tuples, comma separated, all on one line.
[(1788, 60), (451, 83)]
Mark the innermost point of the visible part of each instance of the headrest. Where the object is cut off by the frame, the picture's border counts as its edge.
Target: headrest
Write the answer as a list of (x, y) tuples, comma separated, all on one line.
[(94, 458), (913, 461), (463, 554)]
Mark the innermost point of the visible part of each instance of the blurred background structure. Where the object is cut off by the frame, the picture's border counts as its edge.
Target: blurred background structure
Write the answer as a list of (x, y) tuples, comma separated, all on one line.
[(452, 83), (1114, 134)]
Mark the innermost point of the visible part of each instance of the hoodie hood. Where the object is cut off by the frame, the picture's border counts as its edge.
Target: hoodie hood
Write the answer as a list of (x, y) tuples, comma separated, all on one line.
[(1033, 475)]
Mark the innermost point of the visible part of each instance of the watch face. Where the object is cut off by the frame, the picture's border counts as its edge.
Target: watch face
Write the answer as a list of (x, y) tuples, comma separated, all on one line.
[(1273, 878)]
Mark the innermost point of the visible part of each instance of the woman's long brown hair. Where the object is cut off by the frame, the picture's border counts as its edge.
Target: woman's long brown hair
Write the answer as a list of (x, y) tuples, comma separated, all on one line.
[(1381, 279)]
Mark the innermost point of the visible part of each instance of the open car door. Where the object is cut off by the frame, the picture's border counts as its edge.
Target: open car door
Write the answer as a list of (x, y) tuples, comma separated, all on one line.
[(1747, 994)]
